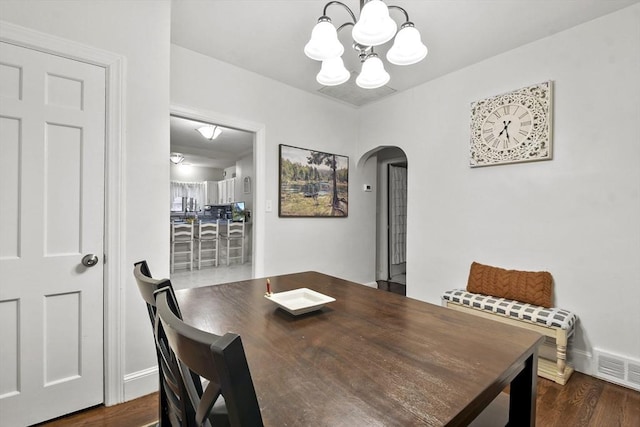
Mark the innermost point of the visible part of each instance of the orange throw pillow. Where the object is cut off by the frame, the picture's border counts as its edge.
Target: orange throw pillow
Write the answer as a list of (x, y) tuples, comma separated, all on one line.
[(533, 287)]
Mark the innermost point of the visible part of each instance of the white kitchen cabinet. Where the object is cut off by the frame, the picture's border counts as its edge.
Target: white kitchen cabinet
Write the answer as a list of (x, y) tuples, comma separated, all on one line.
[(231, 190), (212, 192), (226, 190)]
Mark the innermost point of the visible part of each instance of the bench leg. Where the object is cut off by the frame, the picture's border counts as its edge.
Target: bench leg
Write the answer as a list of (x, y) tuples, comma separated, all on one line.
[(561, 355)]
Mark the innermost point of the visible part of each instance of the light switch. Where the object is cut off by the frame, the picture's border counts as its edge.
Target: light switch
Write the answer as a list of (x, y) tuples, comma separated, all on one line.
[(269, 206)]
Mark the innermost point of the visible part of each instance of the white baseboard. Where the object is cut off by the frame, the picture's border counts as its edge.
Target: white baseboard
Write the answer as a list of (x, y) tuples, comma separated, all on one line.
[(141, 383), (582, 361), (371, 284), (586, 362)]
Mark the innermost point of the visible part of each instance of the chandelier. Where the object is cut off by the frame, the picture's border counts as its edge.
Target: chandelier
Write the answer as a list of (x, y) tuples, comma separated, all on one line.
[(374, 28)]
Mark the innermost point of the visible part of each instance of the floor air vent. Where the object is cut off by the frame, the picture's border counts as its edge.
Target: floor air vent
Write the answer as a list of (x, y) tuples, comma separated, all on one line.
[(633, 374), (617, 369)]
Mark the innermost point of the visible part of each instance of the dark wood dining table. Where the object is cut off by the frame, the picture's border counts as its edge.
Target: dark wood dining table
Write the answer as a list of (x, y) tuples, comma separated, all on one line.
[(370, 358)]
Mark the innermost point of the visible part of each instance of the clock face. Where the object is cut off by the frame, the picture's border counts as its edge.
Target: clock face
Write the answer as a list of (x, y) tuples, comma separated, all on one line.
[(513, 127), (507, 127)]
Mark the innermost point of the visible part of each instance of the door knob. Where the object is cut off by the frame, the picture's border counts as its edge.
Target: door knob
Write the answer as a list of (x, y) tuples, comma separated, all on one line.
[(89, 260)]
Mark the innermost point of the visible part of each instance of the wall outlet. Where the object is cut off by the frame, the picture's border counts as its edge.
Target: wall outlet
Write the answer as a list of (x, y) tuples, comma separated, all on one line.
[(268, 206), (367, 187)]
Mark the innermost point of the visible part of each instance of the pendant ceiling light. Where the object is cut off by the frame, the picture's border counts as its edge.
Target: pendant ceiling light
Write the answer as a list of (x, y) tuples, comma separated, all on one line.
[(374, 28), (176, 158), (373, 74), (332, 72), (210, 132)]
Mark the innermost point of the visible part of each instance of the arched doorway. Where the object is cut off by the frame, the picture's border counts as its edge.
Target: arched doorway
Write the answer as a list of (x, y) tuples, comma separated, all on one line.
[(391, 217)]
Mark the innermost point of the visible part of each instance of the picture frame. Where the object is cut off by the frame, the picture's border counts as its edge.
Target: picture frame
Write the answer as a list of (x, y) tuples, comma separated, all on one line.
[(312, 183)]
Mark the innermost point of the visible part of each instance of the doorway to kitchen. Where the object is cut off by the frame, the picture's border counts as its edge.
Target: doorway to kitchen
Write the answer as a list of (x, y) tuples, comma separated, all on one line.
[(212, 178)]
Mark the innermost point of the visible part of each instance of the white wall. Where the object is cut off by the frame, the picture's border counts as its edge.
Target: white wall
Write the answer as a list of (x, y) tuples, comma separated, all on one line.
[(190, 173), (229, 172), (140, 31), (575, 216), (343, 247)]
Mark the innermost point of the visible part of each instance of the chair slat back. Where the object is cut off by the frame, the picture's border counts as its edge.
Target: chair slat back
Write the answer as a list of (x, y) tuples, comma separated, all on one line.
[(181, 231), (174, 408), (208, 230), (220, 359), (235, 229), (148, 285)]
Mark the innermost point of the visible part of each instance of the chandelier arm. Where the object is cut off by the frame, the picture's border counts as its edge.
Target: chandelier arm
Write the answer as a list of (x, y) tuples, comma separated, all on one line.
[(362, 51), (346, 24), (406, 15), (326, 6)]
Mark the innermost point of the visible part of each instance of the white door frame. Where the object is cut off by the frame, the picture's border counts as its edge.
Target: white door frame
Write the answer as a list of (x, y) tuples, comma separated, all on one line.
[(115, 183), (259, 161)]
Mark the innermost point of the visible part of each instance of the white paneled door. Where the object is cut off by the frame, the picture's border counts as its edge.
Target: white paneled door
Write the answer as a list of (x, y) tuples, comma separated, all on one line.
[(52, 143)]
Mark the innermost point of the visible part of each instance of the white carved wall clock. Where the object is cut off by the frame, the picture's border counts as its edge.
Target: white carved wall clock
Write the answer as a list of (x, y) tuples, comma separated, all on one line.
[(512, 127)]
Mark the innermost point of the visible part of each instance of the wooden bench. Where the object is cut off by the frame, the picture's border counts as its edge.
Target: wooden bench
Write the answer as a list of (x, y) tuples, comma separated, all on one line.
[(555, 323)]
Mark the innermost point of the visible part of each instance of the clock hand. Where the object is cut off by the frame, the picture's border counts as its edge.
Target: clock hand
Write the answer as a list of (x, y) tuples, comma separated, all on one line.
[(504, 129)]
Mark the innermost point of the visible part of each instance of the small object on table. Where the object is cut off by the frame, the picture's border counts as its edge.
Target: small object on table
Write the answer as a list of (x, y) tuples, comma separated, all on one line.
[(300, 301), (268, 288)]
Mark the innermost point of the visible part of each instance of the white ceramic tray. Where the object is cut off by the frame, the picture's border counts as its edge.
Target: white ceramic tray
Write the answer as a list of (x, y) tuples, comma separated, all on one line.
[(300, 301)]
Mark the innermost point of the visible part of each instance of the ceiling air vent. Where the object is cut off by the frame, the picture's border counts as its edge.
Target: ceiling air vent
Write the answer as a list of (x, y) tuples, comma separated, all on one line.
[(350, 93)]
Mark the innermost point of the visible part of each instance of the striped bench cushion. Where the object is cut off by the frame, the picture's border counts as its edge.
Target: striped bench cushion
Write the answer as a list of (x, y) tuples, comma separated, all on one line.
[(551, 317)]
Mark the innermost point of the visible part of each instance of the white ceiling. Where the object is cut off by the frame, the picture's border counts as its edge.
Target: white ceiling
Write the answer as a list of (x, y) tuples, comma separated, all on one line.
[(222, 152), (268, 37)]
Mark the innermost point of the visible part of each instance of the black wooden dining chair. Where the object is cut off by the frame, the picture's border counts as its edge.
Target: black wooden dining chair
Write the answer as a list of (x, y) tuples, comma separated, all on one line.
[(174, 410), (219, 359)]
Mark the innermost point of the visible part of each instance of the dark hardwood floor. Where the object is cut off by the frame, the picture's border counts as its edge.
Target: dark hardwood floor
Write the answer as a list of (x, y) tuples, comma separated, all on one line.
[(396, 288), (583, 401)]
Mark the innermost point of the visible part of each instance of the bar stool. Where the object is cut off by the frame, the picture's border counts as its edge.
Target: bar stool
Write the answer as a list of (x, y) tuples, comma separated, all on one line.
[(207, 235), (234, 238), (181, 245)]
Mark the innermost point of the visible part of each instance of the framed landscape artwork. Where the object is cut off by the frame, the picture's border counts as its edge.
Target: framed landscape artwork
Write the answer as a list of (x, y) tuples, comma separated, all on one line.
[(313, 183)]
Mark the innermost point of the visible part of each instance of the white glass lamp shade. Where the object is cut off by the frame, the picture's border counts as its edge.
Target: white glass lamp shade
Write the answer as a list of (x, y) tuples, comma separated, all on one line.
[(407, 48), (373, 74), (333, 72), (210, 132), (374, 27), (324, 43), (176, 158)]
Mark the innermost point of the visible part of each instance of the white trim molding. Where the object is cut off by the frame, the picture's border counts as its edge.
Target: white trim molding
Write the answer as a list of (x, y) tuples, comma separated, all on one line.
[(115, 184), (141, 383), (581, 360)]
